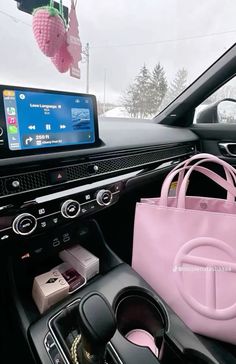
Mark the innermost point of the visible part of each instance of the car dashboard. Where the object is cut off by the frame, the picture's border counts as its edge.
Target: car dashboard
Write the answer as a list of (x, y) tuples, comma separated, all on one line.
[(40, 191), (53, 200)]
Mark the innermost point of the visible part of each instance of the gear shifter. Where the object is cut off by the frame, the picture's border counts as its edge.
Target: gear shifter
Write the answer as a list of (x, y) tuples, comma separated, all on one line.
[(97, 325)]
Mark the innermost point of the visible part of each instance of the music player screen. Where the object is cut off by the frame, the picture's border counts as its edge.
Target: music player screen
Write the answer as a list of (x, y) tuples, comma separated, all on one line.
[(39, 120)]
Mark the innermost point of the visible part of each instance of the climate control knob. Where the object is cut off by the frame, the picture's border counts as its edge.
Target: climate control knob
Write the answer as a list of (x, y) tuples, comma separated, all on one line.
[(70, 209), (104, 197), (24, 224)]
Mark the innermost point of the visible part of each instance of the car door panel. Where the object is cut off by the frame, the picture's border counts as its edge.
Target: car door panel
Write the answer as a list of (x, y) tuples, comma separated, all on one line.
[(212, 137)]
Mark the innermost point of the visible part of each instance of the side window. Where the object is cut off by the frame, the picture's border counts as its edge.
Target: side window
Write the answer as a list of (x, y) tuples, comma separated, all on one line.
[(220, 107)]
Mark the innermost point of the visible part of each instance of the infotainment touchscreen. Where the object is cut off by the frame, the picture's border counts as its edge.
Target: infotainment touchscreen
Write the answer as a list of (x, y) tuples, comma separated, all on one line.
[(42, 119)]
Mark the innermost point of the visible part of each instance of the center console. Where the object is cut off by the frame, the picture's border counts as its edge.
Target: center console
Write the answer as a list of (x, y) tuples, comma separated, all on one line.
[(136, 308), (55, 335)]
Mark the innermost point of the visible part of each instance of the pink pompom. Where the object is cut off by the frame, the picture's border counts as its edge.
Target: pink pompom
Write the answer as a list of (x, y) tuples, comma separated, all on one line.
[(49, 30), (63, 59)]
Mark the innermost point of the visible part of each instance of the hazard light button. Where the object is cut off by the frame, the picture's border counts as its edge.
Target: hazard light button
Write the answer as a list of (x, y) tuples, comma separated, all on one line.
[(58, 176)]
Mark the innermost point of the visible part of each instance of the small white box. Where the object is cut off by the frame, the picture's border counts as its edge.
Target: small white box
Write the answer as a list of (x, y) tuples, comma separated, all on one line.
[(82, 260), (48, 289)]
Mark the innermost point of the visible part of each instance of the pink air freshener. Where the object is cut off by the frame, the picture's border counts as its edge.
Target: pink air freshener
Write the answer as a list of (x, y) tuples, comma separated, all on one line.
[(49, 28), (63, 59), (74, 43)]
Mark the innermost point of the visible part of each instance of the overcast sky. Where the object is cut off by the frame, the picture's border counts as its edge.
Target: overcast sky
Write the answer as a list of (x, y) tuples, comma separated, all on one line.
[(123, 35)]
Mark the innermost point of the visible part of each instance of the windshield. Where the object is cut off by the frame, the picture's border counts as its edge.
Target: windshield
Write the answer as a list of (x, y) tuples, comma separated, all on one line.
[(137, 56)]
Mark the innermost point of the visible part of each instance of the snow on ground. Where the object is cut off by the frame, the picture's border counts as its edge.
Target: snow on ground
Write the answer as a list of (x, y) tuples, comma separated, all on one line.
[(117, 112)]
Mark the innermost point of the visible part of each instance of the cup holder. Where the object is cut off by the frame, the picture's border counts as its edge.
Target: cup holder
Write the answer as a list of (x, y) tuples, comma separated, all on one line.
[(141, 320)]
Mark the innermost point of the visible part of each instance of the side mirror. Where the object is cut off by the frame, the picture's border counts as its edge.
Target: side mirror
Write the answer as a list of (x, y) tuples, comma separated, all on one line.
[(223, 111), (227, 111)]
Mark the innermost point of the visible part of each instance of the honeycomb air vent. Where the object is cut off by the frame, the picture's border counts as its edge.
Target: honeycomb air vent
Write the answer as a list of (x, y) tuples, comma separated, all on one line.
[(124, 163), (40, 179)]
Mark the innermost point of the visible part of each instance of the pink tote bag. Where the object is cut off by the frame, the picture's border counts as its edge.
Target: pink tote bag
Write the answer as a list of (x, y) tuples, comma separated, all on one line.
[(185, 248)]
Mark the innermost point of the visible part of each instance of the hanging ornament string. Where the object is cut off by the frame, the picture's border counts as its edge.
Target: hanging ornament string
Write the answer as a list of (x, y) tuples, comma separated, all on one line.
[(61, 9), (74, 4), (74, 42)]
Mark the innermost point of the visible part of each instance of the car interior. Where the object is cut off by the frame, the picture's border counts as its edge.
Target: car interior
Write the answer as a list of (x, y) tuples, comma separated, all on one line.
[(56, 199)]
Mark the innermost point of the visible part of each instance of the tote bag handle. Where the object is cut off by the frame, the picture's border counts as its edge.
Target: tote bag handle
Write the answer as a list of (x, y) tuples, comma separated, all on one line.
[(207, 172), (212, 175), (202, 156)]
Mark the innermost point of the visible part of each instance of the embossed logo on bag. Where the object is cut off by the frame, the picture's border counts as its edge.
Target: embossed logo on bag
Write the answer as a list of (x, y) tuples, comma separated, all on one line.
[(187, 261)]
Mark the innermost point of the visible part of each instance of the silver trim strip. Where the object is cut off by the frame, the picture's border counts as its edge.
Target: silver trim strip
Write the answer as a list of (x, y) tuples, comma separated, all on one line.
[(9, 228), (112, 349), (87, 187), (92, 162), (225, 146)]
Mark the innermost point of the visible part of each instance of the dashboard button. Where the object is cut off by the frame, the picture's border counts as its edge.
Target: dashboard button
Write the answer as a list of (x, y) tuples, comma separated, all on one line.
[(117, 187), (85, 198), (5, 235), (85, 208), (58, 176), (115, 197), (41, 211), (24, 224), (104, 197), (55, 220), (13, 184), (43, 224), (92, 206), (70, 209), (93, 168), (49, 222)]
